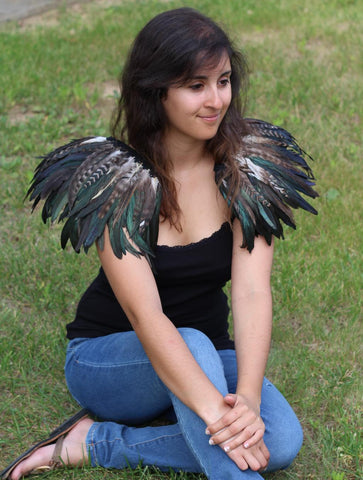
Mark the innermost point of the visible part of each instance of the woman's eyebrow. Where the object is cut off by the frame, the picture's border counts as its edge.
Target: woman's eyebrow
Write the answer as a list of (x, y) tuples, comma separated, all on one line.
[(205, 77)]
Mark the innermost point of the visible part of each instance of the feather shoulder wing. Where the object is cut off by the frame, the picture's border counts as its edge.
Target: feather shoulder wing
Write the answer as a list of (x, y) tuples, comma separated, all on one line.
[(97, 181), (273, 174)]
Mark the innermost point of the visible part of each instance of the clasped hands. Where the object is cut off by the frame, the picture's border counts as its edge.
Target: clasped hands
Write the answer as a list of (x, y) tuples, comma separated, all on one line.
[(240, 433)]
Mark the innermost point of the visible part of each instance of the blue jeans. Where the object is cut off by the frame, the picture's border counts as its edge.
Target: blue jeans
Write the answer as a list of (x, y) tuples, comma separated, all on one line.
[(113, 378)]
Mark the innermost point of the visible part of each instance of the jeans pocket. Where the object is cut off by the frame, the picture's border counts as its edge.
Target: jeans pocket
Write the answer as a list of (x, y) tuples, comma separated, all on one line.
[(72, 349)]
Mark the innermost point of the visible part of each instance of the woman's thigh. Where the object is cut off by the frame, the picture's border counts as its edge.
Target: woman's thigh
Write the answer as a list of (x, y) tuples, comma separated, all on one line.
[(114, 379)]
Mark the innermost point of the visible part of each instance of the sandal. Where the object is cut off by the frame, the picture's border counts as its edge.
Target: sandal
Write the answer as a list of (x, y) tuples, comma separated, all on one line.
[(56, 436)]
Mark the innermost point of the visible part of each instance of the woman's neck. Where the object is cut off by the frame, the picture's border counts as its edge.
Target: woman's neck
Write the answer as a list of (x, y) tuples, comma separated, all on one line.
[(185, 156)]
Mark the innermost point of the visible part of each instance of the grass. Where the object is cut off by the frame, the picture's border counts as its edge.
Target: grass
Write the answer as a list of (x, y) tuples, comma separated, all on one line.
[(58, 77)]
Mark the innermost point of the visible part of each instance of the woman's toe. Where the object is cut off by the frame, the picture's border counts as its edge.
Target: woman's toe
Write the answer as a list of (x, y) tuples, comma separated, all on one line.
[(40, 458)]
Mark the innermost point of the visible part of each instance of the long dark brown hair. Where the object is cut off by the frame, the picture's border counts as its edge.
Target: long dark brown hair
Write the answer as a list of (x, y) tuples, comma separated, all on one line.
[(169, 50)]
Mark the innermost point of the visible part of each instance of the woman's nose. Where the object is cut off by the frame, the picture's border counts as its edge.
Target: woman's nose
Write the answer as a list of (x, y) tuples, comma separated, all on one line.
[(214, 98)]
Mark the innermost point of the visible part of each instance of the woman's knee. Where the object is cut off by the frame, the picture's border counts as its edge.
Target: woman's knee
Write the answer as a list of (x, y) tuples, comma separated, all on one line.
[(198, 343), (284, 435), (205, 354), (289, 443)]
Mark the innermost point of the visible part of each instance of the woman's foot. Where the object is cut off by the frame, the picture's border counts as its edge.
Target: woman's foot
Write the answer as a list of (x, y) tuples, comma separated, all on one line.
[(74, 451)]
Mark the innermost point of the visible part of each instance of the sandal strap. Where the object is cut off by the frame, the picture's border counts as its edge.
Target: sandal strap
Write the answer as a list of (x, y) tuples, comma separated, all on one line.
[(53, 436), (56, 460)]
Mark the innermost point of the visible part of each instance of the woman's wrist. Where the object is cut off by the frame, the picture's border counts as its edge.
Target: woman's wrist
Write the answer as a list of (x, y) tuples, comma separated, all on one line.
[(251, 398), (212, 412)]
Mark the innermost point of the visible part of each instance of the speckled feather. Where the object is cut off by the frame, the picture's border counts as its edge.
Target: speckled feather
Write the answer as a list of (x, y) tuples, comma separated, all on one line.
[(97, 181), (273, 173), (94, 182)]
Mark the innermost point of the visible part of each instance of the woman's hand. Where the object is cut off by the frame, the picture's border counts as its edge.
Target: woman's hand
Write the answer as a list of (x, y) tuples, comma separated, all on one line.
[(240, 433), (256, 457), (242, 425)]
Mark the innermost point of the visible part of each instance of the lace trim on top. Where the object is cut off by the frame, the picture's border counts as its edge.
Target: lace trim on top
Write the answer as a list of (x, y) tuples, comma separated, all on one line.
[(198, 243)]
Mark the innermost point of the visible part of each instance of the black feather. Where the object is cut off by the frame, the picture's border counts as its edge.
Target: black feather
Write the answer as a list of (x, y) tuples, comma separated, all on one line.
[(273, 175), (96, 181)]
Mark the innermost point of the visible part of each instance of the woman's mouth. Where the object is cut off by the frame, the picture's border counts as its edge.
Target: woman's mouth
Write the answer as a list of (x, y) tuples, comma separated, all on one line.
[(210, 118)]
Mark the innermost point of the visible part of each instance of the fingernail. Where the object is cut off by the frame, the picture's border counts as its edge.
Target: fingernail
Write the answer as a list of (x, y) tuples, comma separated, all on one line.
[(246, 445), (211, 442), (207, 432), (226, 448)]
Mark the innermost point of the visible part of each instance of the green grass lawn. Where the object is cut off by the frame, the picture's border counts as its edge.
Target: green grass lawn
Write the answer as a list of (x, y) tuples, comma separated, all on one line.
[(58, 81)]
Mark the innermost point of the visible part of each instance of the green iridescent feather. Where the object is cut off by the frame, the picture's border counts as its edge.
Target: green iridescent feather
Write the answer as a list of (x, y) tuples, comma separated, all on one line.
[(97, 181), (94, 182)]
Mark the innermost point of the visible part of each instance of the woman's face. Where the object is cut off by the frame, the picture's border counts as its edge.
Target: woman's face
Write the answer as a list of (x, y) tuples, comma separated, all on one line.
[(196, 109)]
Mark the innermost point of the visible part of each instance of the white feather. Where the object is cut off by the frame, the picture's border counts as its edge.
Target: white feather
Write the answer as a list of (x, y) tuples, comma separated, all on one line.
[(95, 139)]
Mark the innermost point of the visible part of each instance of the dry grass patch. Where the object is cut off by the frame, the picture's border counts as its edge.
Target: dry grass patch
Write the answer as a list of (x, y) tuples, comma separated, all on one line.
[(84, 9), (20, 114)]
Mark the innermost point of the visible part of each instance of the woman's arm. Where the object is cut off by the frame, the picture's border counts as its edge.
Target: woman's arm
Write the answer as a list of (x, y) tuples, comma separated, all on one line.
[(135, 288), (252, 313), (252, 319)]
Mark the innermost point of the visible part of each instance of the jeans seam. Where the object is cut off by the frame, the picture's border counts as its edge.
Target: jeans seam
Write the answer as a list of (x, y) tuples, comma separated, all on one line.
[(91, 446), (133, 445), (111, 365), (174, 435)]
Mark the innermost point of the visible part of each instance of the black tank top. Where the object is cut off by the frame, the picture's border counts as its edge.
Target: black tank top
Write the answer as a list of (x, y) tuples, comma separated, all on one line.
[(190, 280)]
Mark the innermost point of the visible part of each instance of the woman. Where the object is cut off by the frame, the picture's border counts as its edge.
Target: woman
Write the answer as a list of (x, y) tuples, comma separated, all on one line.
[(169, 216)]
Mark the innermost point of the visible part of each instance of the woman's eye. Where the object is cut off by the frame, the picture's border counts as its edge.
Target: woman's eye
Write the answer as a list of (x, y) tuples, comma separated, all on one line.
[(196, 86), (224, 82)]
